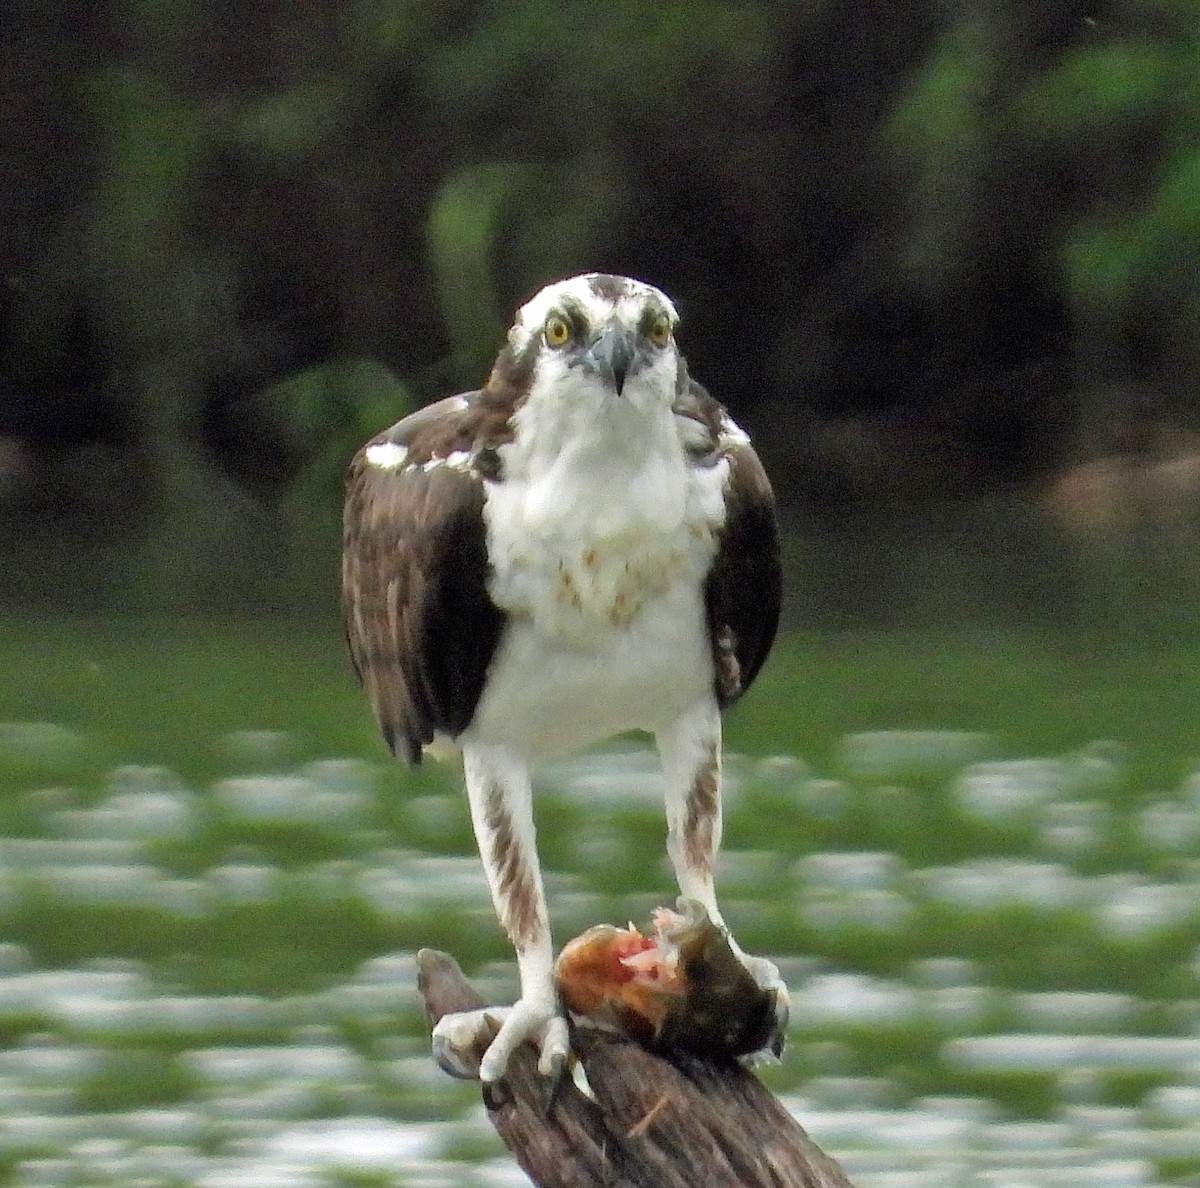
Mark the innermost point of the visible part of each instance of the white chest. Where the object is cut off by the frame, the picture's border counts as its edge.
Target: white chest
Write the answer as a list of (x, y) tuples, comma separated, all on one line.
[(585, 549), (601, 570)]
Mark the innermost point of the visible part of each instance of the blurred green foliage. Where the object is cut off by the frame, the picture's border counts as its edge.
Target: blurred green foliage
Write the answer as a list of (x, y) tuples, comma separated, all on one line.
[(236, 243)]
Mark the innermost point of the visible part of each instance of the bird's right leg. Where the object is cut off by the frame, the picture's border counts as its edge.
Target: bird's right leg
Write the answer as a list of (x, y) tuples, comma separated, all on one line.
[(500, 796)]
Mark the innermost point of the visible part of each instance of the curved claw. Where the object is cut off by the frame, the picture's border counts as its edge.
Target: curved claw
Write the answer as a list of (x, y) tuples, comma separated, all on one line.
[(782, 1012), (459, 1037), (532, 1019), (556, 1047), (766, 976), (772, 1050)]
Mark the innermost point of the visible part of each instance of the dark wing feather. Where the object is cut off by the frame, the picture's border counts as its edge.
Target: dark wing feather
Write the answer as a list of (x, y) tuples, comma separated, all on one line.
[(744, 589), (419, 622), (745, 584)]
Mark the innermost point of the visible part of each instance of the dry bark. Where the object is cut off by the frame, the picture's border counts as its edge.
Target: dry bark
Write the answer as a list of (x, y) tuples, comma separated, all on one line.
[(655, 1120)]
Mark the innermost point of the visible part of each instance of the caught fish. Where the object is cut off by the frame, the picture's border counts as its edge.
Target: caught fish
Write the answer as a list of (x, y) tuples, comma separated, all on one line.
[(680, 987)]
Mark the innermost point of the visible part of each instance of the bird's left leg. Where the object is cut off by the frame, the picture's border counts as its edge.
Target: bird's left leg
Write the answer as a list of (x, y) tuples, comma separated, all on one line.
[(690, 752), (500, 795)]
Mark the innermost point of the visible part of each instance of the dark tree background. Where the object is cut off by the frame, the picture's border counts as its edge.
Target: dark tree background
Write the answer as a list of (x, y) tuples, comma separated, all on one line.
[(933, 257)]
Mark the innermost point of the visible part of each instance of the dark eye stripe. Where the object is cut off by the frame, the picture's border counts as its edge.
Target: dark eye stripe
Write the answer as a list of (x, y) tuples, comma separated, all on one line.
[(574, 316), (650, 320)]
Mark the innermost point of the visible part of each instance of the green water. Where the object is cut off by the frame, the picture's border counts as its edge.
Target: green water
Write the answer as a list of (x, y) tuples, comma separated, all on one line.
[(168, 691), (945, 840)]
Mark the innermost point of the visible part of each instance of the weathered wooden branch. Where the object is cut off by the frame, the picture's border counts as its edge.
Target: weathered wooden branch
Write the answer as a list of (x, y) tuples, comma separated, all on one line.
[(654, 1121)]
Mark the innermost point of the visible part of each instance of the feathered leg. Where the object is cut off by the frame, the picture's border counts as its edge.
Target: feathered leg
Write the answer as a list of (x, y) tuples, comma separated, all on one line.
[(690, 752), (499, 792)]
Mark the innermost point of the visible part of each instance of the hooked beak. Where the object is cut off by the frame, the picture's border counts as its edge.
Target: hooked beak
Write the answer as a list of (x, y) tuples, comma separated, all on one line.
[(611, 355)]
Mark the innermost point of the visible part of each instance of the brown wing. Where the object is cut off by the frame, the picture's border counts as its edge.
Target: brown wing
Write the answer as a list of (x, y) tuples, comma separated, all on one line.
[(420, 624), (745, 585)]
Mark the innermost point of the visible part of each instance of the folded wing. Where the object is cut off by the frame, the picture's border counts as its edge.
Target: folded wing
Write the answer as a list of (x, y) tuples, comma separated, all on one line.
[(419, 622), (744, 587)]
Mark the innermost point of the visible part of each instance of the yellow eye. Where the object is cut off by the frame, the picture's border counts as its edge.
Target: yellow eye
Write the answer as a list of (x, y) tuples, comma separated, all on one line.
[(558, 333), (660, 331)]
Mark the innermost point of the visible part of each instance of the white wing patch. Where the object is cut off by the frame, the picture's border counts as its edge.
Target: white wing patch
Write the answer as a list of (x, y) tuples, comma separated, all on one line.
[(386, 455), (458, 460), (731, 434)]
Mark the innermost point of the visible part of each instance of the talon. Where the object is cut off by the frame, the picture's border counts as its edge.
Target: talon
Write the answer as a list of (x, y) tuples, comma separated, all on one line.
[(529, 1019), (451, 1059), (477, 1045), (496, 1095), (556, 1047), (459, 1038), (561, 1078), (775, 1036), (782, 1011), (766, 976)]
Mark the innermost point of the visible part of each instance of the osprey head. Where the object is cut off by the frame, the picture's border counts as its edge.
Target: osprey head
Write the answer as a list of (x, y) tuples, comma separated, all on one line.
[(600, 335)]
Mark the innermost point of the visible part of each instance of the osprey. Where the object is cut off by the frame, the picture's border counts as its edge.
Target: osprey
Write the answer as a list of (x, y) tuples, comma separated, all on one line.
[(585, 546)]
